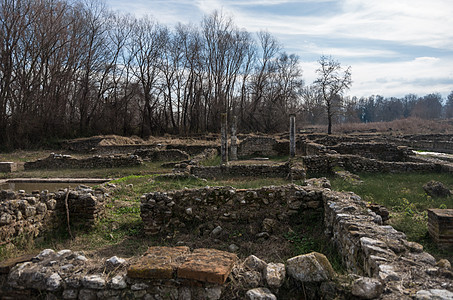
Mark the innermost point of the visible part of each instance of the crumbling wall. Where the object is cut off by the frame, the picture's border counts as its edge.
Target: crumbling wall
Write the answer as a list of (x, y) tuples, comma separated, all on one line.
[(183, 210), (381, 262), (372, 249), (56, 161), (281, 170), (259, 146), (380, 151), (326, 164), (22, 213), (162, 155)]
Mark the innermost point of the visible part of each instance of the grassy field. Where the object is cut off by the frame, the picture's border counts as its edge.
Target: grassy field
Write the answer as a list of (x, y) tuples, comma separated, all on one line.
[(406, 200)]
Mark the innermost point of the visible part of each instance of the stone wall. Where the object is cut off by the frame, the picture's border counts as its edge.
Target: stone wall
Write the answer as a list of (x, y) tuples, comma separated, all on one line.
[(56, 161), (325, 164), (259, 146), (380, 151), (381, 263), (374, 250), (162, 155), (281, 170), (193, 150), (185, 210), (121, 149), (22, 213)]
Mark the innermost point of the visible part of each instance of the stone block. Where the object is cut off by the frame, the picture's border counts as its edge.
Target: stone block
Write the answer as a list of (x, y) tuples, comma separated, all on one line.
[(158, 263), (8, 167), (207, 265), (7, 265), (440, 226), (311, 267)]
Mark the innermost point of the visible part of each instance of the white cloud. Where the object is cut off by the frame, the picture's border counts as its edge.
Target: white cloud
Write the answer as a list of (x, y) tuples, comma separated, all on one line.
[(389, 23)]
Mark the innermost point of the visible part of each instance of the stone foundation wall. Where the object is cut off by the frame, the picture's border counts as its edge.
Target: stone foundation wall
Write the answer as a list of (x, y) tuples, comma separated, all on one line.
[(185, 210), (162, 155), (120, 149), (381, 262), (241, 170), (31, 214), (325, 164), (56, 161), (372, 249), (259, 146), (193, 150), (380, 151)]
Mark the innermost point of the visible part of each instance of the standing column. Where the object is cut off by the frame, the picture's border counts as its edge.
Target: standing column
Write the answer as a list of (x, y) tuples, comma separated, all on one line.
[(224, 139), (292, 135), (234, 140)]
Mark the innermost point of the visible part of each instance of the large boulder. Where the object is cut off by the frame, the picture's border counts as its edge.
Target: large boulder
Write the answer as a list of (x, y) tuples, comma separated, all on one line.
[(312, 267), (436, 189)]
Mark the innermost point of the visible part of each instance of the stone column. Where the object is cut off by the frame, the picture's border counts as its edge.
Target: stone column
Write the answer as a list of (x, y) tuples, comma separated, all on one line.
[(234, 140), (292, 135), (224, 138)]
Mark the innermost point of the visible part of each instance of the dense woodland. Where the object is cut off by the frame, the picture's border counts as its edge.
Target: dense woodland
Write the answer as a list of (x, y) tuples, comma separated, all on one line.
[(70, 69)]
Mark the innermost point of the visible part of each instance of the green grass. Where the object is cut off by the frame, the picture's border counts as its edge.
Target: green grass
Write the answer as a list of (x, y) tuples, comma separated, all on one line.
[(406, 200), (398, 191), (309, 237), (145, 169)]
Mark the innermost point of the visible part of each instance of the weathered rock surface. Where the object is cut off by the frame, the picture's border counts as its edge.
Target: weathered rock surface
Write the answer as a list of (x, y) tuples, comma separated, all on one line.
[(312, 267), (275, 274), (367, 288), (260, 294)]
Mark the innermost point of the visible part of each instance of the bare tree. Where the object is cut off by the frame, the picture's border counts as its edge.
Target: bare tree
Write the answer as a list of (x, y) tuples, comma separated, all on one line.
[(333, 80)]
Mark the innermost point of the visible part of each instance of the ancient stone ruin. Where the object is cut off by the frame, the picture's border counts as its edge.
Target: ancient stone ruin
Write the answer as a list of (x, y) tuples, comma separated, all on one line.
[(58, 161), (381, 263), (30, 214)]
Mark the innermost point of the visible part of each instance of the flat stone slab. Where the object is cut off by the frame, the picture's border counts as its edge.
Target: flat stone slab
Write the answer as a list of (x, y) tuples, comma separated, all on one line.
[(442, 213), (207, 265), (7, 265), (158, 263)]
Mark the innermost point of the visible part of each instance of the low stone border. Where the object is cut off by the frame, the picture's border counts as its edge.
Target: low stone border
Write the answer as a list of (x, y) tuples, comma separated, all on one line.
[(57, 161)]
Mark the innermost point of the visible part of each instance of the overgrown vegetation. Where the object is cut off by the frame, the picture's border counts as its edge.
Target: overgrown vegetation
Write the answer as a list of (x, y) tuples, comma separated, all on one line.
[(404, 196)]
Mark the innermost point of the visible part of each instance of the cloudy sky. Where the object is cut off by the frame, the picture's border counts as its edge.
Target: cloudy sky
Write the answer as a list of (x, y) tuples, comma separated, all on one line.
[(394, 47)]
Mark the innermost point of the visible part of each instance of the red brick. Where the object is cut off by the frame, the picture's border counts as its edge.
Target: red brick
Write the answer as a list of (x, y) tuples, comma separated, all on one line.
[(158, 263), (207, 265)]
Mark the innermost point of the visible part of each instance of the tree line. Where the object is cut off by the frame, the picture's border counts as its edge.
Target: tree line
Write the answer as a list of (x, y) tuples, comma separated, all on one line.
[(375, 108), (71, 68)]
